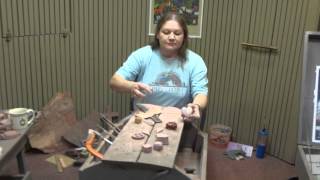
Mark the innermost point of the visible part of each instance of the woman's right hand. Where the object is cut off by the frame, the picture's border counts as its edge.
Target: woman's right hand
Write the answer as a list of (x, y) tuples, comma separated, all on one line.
[(136, 89), (139, 90)]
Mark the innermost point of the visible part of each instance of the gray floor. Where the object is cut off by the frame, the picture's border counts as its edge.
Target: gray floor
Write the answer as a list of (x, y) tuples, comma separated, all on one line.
[(42, 170), (219, 167), (269, 168)]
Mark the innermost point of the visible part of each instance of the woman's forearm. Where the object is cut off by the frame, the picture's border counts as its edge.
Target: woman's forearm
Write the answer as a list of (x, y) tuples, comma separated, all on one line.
[(120, 84), (201, 100)]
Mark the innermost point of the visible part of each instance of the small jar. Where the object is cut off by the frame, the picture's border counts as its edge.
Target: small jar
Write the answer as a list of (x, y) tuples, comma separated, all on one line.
[(219, 135), (262, 143)]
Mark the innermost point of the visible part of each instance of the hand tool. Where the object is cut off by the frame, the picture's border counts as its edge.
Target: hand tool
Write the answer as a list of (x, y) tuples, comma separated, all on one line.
[(91, 137), (88, 145), (155, 118)]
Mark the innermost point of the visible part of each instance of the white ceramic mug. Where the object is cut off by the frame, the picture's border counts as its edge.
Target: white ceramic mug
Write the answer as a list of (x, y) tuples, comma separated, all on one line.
[(21, 117)]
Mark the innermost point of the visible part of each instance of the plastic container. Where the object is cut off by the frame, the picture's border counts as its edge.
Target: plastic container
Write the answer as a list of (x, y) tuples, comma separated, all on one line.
[(219, 135), (262, 143)]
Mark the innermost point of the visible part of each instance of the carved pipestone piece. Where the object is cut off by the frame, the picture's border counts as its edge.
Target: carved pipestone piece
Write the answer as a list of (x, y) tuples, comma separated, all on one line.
[(147, 148), (137, 119), (164, 138), (158, 146), (171, 125), (138, 136)]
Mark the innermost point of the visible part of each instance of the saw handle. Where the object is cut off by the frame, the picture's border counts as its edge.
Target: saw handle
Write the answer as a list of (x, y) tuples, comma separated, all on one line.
[(88, 144)]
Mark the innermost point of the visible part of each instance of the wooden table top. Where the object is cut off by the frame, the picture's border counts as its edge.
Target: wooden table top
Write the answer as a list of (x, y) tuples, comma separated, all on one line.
[(125, 149), (11, 147)]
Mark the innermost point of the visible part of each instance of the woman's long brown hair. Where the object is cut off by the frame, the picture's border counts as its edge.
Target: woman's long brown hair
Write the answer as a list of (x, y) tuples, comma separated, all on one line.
[(182, 52)]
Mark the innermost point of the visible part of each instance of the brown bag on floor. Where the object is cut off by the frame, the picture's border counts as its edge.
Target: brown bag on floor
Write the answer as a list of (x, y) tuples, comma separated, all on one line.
[(56, 118)]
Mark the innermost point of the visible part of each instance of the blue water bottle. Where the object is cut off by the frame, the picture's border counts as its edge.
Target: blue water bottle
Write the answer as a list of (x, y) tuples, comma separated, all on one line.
[(262, 143)]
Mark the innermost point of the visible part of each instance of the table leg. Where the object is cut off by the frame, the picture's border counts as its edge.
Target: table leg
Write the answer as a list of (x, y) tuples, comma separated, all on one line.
[(21, 166)]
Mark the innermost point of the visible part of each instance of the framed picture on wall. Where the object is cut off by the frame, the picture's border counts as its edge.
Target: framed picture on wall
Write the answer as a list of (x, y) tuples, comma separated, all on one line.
[(192, 10)]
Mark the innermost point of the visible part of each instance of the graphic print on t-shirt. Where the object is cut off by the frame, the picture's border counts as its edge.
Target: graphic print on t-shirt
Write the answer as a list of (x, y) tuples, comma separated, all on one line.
[(169, 82)]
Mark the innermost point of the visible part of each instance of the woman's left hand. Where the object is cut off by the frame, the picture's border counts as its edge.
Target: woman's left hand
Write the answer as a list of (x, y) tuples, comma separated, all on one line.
[(195, 115)]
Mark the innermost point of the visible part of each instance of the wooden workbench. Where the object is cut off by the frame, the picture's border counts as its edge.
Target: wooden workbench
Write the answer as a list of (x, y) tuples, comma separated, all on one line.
[(126, 149), (124, 159)]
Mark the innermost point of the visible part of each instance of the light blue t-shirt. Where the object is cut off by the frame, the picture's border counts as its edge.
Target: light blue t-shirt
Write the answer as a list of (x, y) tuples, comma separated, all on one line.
[(173, 83)]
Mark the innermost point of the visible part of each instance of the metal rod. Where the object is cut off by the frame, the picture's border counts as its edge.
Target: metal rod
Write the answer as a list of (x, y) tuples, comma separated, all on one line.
[(117, 130), (101, 136), (272, 48), (106, 132)]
